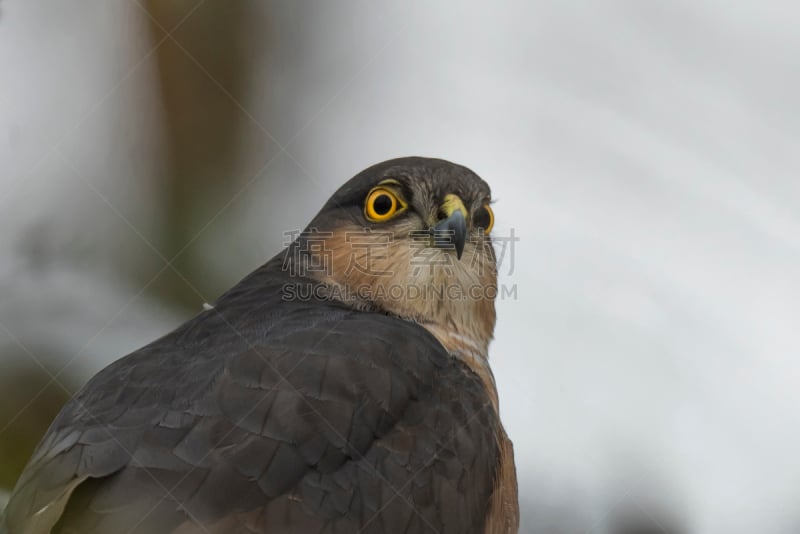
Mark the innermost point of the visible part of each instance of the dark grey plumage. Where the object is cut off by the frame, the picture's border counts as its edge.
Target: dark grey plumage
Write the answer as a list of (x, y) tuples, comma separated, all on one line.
[(270, 415)]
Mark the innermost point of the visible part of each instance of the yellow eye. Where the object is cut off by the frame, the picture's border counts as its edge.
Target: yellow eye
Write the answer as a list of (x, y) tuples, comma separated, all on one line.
[(484, 218), (382, 204)]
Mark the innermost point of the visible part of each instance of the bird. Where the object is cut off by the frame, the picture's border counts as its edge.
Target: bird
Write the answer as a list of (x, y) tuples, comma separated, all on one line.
[(343, 386)]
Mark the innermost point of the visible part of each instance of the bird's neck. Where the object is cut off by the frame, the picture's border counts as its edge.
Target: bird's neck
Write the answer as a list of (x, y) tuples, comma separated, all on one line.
[(463, 327), (455, 303)]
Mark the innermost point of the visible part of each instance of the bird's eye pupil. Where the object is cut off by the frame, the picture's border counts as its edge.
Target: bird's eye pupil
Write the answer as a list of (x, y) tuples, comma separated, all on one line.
[(382, 204)]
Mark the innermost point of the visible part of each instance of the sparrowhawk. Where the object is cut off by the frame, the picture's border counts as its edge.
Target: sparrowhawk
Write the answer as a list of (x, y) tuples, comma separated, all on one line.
[(343, 386)]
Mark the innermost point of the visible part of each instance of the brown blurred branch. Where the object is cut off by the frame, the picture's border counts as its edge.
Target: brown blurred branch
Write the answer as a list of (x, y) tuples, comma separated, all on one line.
[(202, 124)]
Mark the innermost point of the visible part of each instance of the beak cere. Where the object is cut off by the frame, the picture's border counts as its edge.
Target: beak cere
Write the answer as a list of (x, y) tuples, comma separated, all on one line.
[(451, 232)]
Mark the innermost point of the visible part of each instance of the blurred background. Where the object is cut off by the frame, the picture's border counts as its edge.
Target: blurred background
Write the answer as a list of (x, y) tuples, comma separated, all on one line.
[(646, 155)]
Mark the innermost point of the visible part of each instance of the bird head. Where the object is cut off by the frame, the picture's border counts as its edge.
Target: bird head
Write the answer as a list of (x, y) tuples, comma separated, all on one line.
[(411, 238)]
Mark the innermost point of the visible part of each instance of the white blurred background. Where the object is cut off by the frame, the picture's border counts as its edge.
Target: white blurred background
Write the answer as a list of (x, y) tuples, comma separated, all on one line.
[(647, 155)]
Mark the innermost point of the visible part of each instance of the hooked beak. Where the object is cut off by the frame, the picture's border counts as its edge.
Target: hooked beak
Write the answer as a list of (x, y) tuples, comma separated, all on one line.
[(451, 232)]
